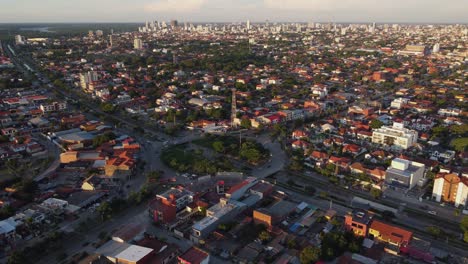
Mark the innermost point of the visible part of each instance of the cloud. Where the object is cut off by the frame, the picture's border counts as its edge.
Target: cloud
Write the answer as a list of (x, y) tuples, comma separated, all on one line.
[(176, 6)]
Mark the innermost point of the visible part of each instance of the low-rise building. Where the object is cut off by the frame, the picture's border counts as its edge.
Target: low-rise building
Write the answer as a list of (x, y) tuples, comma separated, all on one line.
[(404, 174), (390, 234), (194, 255), (358, 222), (53, 107), (273, 214), (396, 135), (221, 212)]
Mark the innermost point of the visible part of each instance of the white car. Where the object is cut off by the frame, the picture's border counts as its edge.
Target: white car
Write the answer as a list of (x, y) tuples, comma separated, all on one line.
[(432, 212)]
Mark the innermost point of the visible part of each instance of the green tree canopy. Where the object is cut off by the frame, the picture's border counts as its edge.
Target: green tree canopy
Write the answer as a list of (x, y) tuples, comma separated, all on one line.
[(460, 144), (218, 146), (309, 254), (376, 123)]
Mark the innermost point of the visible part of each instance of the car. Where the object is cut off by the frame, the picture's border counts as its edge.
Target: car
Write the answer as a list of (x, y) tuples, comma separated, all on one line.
[(432, 212)]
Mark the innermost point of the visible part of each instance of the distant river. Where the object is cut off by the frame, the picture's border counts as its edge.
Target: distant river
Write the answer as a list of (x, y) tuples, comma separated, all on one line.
[(40, 29)]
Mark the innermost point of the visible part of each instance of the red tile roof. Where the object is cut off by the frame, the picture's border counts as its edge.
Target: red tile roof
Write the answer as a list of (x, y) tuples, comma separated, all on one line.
[(193, 256), (392, 233)]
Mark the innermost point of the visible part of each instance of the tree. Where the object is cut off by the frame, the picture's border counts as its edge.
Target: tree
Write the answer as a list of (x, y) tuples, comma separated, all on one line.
[(296, 165), (434, 231), (104, 211), (218, 146), (153, 176), (376, 123), (17, 257), (376, 193), (13, 167), (459, 129), (251, 152), (107, 108), (264, 236), (460, 144), (291, 244), (464, 227), (245, 123), (101, 139), (309, 254)]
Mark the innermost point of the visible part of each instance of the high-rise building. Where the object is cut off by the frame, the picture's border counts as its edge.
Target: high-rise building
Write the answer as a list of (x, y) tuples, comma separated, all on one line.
[(111, 41), (90, 33), (19, 40), (436, 48), (450, 188), (88, 77), (174, 23), (248, 24), (99, 33), (233, 106), (137, 44)]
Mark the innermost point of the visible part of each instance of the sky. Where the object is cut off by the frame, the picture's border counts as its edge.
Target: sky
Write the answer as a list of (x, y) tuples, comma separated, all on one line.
[(411, 11)]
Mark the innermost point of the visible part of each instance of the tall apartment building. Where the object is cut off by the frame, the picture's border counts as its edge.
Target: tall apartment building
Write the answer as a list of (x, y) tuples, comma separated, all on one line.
[(397, 135), (88, 77), (19, 40), (137, 44), (450, 188)]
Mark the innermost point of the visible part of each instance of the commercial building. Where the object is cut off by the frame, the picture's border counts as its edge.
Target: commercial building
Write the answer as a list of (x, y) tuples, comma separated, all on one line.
[(53, 107), (180, 197), (404, 174), (450, 188), (274, 214), (396, 135), (223, 211), (358, 222), (418, 50), (389, 233), (237, 191), (165, 207)]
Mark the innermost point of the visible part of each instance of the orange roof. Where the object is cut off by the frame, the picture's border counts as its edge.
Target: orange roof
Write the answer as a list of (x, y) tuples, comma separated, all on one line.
[(392, 233), (237, 187), (319, 155)]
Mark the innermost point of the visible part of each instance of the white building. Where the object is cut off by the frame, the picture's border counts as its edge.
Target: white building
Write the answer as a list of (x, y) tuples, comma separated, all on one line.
[(320, 92), (221, 212), (137, 44), (404, 174), (396, 135), (55, 106), (398, 103), (450, 112), (19, 40)]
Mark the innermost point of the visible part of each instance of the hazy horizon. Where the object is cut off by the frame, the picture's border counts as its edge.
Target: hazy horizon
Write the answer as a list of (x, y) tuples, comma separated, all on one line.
[(227, 11)]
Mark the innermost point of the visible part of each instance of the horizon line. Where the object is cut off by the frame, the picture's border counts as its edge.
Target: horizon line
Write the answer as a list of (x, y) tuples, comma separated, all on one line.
[(233, 22)]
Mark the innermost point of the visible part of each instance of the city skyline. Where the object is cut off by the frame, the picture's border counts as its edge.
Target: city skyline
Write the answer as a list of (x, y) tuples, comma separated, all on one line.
[(399, 11)]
